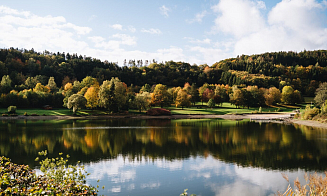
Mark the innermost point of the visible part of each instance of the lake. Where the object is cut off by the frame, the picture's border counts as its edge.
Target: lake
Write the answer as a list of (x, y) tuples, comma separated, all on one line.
[(164, 157)]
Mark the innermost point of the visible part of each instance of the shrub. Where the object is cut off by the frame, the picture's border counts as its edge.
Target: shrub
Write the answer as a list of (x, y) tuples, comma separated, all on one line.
[(25, 114), (4, 114), (12, 109), (34, 114), (158, 112), (309, 113), (13, 115), (58, 178), (260, 110)]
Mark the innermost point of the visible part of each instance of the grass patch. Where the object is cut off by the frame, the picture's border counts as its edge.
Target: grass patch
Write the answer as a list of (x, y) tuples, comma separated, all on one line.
[(226, 108)]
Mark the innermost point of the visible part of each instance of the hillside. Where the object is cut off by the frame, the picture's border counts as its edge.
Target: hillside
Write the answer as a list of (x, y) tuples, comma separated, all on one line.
[(303, 70)]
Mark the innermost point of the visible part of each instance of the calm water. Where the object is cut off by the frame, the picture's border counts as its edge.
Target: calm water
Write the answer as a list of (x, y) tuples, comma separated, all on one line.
[(163, 157)]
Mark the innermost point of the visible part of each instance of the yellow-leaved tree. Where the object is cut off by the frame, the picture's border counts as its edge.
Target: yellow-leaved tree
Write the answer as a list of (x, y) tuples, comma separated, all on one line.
[(92, 96)]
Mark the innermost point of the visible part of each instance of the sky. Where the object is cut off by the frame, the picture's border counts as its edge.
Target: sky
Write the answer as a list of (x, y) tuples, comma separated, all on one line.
[(193, 31)]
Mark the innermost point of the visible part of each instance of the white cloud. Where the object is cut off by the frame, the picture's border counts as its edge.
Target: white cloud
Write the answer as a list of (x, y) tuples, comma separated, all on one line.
[(151, 31), (198, 17), (197, 41), (25, 30), (238, 17), (7, 10), (290, 25), (131, 29), (117, 26), (165, 10), (114, 42)]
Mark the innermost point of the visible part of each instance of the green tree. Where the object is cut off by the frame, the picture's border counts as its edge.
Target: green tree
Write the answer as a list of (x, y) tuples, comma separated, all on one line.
[(6, 84), (142, 101), (211, 103), (195, 97), (146, 88), (76, 102), (289, 96), (52, 84), (107, 96), (31, 82)]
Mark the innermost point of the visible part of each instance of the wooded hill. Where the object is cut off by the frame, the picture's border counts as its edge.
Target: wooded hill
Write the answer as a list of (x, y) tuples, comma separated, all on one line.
[(303, 71)]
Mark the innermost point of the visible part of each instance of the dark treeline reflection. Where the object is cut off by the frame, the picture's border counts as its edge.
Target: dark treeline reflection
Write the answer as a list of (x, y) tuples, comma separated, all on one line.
[(271, 146)]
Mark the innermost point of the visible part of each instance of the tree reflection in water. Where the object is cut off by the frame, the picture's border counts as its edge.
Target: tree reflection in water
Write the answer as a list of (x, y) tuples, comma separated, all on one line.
[(266, 145)]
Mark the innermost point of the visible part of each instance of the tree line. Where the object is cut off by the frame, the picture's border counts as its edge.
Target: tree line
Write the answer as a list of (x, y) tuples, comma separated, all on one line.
[(116, 96), (33, 79), (304, 71)]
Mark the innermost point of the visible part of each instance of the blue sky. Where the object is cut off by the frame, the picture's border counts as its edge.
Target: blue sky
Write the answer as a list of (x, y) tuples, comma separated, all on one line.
[(191, 31)]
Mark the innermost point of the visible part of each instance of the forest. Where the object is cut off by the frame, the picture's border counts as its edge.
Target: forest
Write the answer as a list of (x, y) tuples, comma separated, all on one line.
[(33, 79)]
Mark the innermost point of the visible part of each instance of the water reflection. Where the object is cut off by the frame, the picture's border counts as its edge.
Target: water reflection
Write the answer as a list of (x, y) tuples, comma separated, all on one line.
[(203, 176), (162, 157), (270, 146)]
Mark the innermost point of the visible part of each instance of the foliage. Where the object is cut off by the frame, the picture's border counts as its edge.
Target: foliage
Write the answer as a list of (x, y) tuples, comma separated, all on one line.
[(58, 178), (185, 193), (194, 94), (160, 96), (309, 113), (211, 103), (52, 84), (12, 109), (183, 99), (290, 96), (158, 112), (92, 97), (76, 101), (315, 185), (142, 100), (321, 94)]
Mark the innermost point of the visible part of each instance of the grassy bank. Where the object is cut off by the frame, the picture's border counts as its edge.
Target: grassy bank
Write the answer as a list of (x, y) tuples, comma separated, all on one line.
[(226, 108)]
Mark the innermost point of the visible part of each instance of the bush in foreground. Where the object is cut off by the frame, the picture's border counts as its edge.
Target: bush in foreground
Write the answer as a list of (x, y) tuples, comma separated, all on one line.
[(158, 112), (58, 178)]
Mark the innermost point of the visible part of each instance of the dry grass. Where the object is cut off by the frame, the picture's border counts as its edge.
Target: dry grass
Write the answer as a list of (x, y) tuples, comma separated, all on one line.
[(315, 185)]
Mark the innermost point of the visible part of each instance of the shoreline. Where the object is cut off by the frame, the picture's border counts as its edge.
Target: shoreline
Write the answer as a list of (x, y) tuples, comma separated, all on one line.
[(177, 116)]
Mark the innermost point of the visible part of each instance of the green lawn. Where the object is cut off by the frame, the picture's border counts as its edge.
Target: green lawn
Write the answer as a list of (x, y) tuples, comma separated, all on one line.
[(60, 112), (226, 108)]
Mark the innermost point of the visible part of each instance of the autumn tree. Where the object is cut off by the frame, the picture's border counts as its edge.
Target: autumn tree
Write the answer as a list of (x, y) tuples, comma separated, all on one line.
[(41, 88), (207, 95), (321, 94), (92, 96), (236, 97), (272, 96), (183, 99), (160, 96), (76, 102)]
